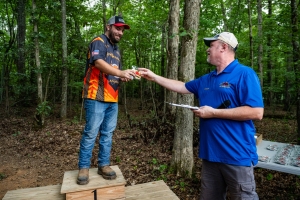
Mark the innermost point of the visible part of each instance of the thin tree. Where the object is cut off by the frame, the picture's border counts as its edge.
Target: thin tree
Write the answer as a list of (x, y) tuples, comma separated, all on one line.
[(182, 157), (21, 33), (260, 41), (172, 51), (163, 57), (64, 91), (250, 33), (296, 57), (269, 61), (104, 14), (225, 26), (40, 117), (9, 46)]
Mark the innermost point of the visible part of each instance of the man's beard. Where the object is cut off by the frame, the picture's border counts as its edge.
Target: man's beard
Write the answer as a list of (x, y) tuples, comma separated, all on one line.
[(112, 37), (208, 60)]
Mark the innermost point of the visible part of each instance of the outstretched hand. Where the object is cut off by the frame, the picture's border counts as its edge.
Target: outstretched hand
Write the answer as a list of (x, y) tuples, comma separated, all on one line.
[(147, 74)]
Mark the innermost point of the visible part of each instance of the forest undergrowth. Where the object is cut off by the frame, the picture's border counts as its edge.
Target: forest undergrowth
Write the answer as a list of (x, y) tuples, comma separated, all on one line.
[(142, 148)]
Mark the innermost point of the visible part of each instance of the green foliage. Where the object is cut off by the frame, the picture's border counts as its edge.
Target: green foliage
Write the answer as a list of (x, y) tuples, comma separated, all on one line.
[(160, 170), (2, 176), (43, 108), (163, 168), (75, 120), (118, 159), (269, 177), (181, 184), (140, 46), (154, 161), (17, 133)]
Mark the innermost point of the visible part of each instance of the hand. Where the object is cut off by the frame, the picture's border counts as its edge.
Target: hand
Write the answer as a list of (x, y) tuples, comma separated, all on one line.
[(205, 112), (126, 75), (147, 74)]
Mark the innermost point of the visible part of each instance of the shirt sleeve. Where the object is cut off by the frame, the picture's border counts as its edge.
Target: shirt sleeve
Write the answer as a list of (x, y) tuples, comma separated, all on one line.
[(250, 90), (193, 86), (97, 50)]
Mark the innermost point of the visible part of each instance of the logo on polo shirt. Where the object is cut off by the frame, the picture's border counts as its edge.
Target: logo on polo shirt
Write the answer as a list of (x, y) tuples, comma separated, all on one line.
[(225, 85)]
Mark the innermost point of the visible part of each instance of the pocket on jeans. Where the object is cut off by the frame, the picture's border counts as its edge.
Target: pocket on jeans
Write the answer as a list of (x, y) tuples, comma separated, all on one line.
[(247, 190)]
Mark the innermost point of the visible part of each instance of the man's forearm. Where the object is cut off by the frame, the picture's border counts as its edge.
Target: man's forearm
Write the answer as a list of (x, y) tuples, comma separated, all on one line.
[(107, 68), (170, 84), (240, 113)]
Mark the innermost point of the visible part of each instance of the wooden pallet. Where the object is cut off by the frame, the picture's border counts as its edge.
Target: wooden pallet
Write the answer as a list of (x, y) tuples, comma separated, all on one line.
[(51, 192), (97, 189), (156, 190)]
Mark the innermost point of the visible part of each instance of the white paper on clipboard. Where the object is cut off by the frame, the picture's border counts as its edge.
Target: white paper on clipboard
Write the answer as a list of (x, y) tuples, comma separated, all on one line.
[(184, 106)]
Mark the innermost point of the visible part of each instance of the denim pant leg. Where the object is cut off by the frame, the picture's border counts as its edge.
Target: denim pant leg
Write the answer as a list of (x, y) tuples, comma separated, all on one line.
[(106, 132), (94, 117)]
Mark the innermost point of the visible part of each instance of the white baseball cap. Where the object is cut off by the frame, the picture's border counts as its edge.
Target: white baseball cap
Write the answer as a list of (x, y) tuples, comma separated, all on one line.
[(226, 37)]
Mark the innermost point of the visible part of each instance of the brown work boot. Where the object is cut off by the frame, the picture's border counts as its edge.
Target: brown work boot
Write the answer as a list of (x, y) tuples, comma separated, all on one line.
[(83, 176), (107, 172)]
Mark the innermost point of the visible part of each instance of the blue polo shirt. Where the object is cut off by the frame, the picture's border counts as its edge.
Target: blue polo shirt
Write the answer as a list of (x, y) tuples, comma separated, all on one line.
[(223, 140)]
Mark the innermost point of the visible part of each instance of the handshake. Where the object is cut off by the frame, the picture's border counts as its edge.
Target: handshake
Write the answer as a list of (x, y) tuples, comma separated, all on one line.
[(136, 72)]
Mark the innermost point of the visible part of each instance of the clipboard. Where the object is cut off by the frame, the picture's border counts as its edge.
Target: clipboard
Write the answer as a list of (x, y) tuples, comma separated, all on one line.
[(184, 106)]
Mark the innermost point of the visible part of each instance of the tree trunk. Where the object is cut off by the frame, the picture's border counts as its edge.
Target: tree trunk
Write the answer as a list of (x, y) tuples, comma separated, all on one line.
[(225, 27), (250, 33), (64, 90), (172, 53), (296, 57), (40, 117), (163, 60), (21, 44), (269, 61), (288, 82), (182, 157), (260, 42), (104, 15), (8, 59)]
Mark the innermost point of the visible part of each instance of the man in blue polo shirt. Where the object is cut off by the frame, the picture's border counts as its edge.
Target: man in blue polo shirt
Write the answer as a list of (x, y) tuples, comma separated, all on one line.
[(230, 97)]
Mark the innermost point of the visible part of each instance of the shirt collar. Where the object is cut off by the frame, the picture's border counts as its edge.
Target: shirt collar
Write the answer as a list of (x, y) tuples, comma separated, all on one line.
[(229, 68)]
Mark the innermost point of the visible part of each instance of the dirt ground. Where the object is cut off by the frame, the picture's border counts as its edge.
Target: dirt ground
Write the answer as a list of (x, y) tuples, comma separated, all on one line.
[(32, 157)]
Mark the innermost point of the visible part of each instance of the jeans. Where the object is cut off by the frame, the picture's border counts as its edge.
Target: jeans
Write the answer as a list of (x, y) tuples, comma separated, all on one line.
[(100, 117)]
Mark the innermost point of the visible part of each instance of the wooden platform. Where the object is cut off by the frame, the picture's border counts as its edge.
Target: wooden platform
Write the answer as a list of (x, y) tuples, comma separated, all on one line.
[(51, 192), (98, 188), (156, 190)]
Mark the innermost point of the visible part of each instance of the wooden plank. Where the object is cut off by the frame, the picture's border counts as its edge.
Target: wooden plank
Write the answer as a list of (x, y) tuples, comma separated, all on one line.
[(157, 190), (69, 184), (111, 193), (51, 192)]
